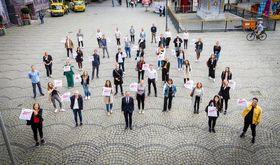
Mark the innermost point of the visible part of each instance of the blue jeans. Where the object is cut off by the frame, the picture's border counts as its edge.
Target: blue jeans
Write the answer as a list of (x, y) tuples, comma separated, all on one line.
[(34, 88), (127, 51), (109, 107), (159, 63), (217, 55), (76, 112), (86, 90), (180, 63)]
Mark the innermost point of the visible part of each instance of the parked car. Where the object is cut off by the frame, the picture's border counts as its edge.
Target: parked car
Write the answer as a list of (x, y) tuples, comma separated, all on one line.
[(78, 5), (58, 9)]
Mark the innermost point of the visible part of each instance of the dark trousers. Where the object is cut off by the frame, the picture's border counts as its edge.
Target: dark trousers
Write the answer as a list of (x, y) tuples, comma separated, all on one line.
[(76, 113), (120, 2), (69, 50), (185, 44), (80, 65), (116, 86), (196, 104), (152, 81), (34, 88), (118, 41), (57, 98), (167, 41), (37, 127), (141, 75), (226, 104), (140, 100), (81, 43), (128, 119), (211, 72), (122, 65), (132, 38), (164, 75), (212, 122), (99, 43), (154, 38), (93, 70), (42, 20), (48, 69), (253, 128), (169, 99), (126, 1)]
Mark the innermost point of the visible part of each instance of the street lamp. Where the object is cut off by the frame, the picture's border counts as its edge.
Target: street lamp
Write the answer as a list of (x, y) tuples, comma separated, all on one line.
[(166, 12)]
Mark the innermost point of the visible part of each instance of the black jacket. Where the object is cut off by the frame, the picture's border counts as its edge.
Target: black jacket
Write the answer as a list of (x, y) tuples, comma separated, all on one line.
[(31, 121), (198, 46), (118, 74), (127, 107), (161, 41), (167, 67), (211, 64), (142, 44), (177, 44), (217, 49), (87, 80), (47, 60), (223, 76), (79, 57), (224, 92), (218, 106), (80, 102), (117, 57), (96, 60), (153, 29)]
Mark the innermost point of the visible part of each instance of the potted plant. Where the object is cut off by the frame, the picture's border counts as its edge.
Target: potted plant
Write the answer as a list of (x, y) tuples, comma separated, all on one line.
[(25, 16), (2, 27)]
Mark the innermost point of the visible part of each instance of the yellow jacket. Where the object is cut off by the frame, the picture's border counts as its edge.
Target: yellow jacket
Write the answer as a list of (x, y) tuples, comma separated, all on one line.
[(257, 113)]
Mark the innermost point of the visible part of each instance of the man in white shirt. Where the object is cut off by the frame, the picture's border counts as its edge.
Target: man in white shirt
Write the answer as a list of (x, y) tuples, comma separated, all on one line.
[(120, 58), (118, 36), (186, 36), (98, 37), (76, 104), (168, 36), (142, 34), (152, 79)]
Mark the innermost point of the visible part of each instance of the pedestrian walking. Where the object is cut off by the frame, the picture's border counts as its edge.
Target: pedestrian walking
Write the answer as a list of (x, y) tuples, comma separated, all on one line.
[(197, 94), (252, 115), (80, 38), (142, 34), (140, 70), (79, 58), (168, 36), (165, 70), (47, 60), (180, 58), (224, 94), (120, 58), (132, 34), (217, 50), (154, 33), (212, 110), (118, 79), (69, 46), (76, 104), (162, 40), (35, 80), (161, 10), (198, 48), (140, 96), (152, 79), (95, 64), (226, 74), (177, 43), (188, 70), (118, 36), (103, 43), (99, 37), (36, 123), (127, 109), (169, 93), (127, 46), (211, 64), (54, 94), (160, 52), (41, 16), (109, 99), (186, 37), (85, 84), (69, 73)]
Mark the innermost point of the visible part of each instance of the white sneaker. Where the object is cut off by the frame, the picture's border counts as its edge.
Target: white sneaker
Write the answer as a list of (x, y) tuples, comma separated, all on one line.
[(209, 78), (111, 111), (142, 111), (68, 58), (123, 72), (62, 110), (139, 111), (50, 76), (158, 68), (88, 97), (55, 110), (213, 80), (108, 113), (178, 69), (47, 78)]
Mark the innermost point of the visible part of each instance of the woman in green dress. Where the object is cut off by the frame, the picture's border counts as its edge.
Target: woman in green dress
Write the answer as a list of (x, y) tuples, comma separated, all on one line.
[(69, 73)]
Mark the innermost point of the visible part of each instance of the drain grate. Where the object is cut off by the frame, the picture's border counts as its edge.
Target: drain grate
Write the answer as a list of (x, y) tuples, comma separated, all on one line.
[(256, 93)]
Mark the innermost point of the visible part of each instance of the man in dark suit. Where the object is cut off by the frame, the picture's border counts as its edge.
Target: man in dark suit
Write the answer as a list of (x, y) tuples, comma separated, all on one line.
[(128, 108), (118, 78), (77, 106)]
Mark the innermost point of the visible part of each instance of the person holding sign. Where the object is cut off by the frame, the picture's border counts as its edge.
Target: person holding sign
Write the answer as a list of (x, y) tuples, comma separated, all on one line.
[(226, 74), (77, 106), (127, 107), (196, 95), (152, 79), (79, 58), (34, 77), (180, 54), (85, 84), (140, 70), (224, 94), (160, 55), (36, 123), (177, 43), (118, 78), (169, 93), (188, 70), (252, 116), (212, 110), (80, 38), (95, 64), (54, 94), (120, 57), (140, 96), (69, 73), (108, 99), (211, 63), (69, 46)]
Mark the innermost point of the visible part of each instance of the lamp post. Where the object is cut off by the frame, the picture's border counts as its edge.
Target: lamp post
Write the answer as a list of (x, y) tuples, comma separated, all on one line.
[(166, 12)]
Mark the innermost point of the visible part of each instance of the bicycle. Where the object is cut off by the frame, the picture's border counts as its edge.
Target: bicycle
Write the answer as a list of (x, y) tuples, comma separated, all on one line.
[(251, 36)]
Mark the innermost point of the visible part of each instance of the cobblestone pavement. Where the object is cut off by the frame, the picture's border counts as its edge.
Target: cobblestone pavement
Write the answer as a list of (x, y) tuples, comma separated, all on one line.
[(176, 137)]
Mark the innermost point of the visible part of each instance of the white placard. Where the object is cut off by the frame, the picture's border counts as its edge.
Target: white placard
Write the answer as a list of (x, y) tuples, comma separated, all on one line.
[(174, 53), (80, 38), (90, 58), (106, 91), (158, 38), (145, 66), (160, 57), (189, 84), (25, 114), (57, 83), (123, 55), (62, 40), (242, 103), (65, 97), (232, 84), (133, 87), (66, 68), (77, 78), (74, 54), (212, 111)]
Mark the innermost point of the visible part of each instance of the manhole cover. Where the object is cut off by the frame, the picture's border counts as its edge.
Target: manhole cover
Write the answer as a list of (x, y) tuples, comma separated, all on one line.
[(256, 93)]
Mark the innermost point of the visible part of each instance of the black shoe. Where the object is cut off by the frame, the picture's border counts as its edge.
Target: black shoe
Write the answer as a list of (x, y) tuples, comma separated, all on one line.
[(130, 128), (210, 129), (103, 56), (163, 110), (197, 112), (242, 135), (42, 94), (155, 95), (37, 144), (81, 124), (34, 97), (213, 130), (97, 76), (169, 109), (76, 124), (43, 141), (225, 112), (253, 140), (122, 94), (148, 94), (125, 128), (194, 112), (115, 94)]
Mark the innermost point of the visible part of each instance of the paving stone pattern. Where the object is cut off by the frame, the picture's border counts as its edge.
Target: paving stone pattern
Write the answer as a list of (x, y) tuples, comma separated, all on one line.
[(175, 137)]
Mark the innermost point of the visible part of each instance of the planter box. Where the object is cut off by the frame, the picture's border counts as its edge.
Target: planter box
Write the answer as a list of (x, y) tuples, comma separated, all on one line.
[(26, 22)]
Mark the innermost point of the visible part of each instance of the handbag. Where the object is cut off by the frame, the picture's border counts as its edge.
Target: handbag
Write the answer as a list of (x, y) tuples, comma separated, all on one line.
[(119, 79), (191, 94)]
